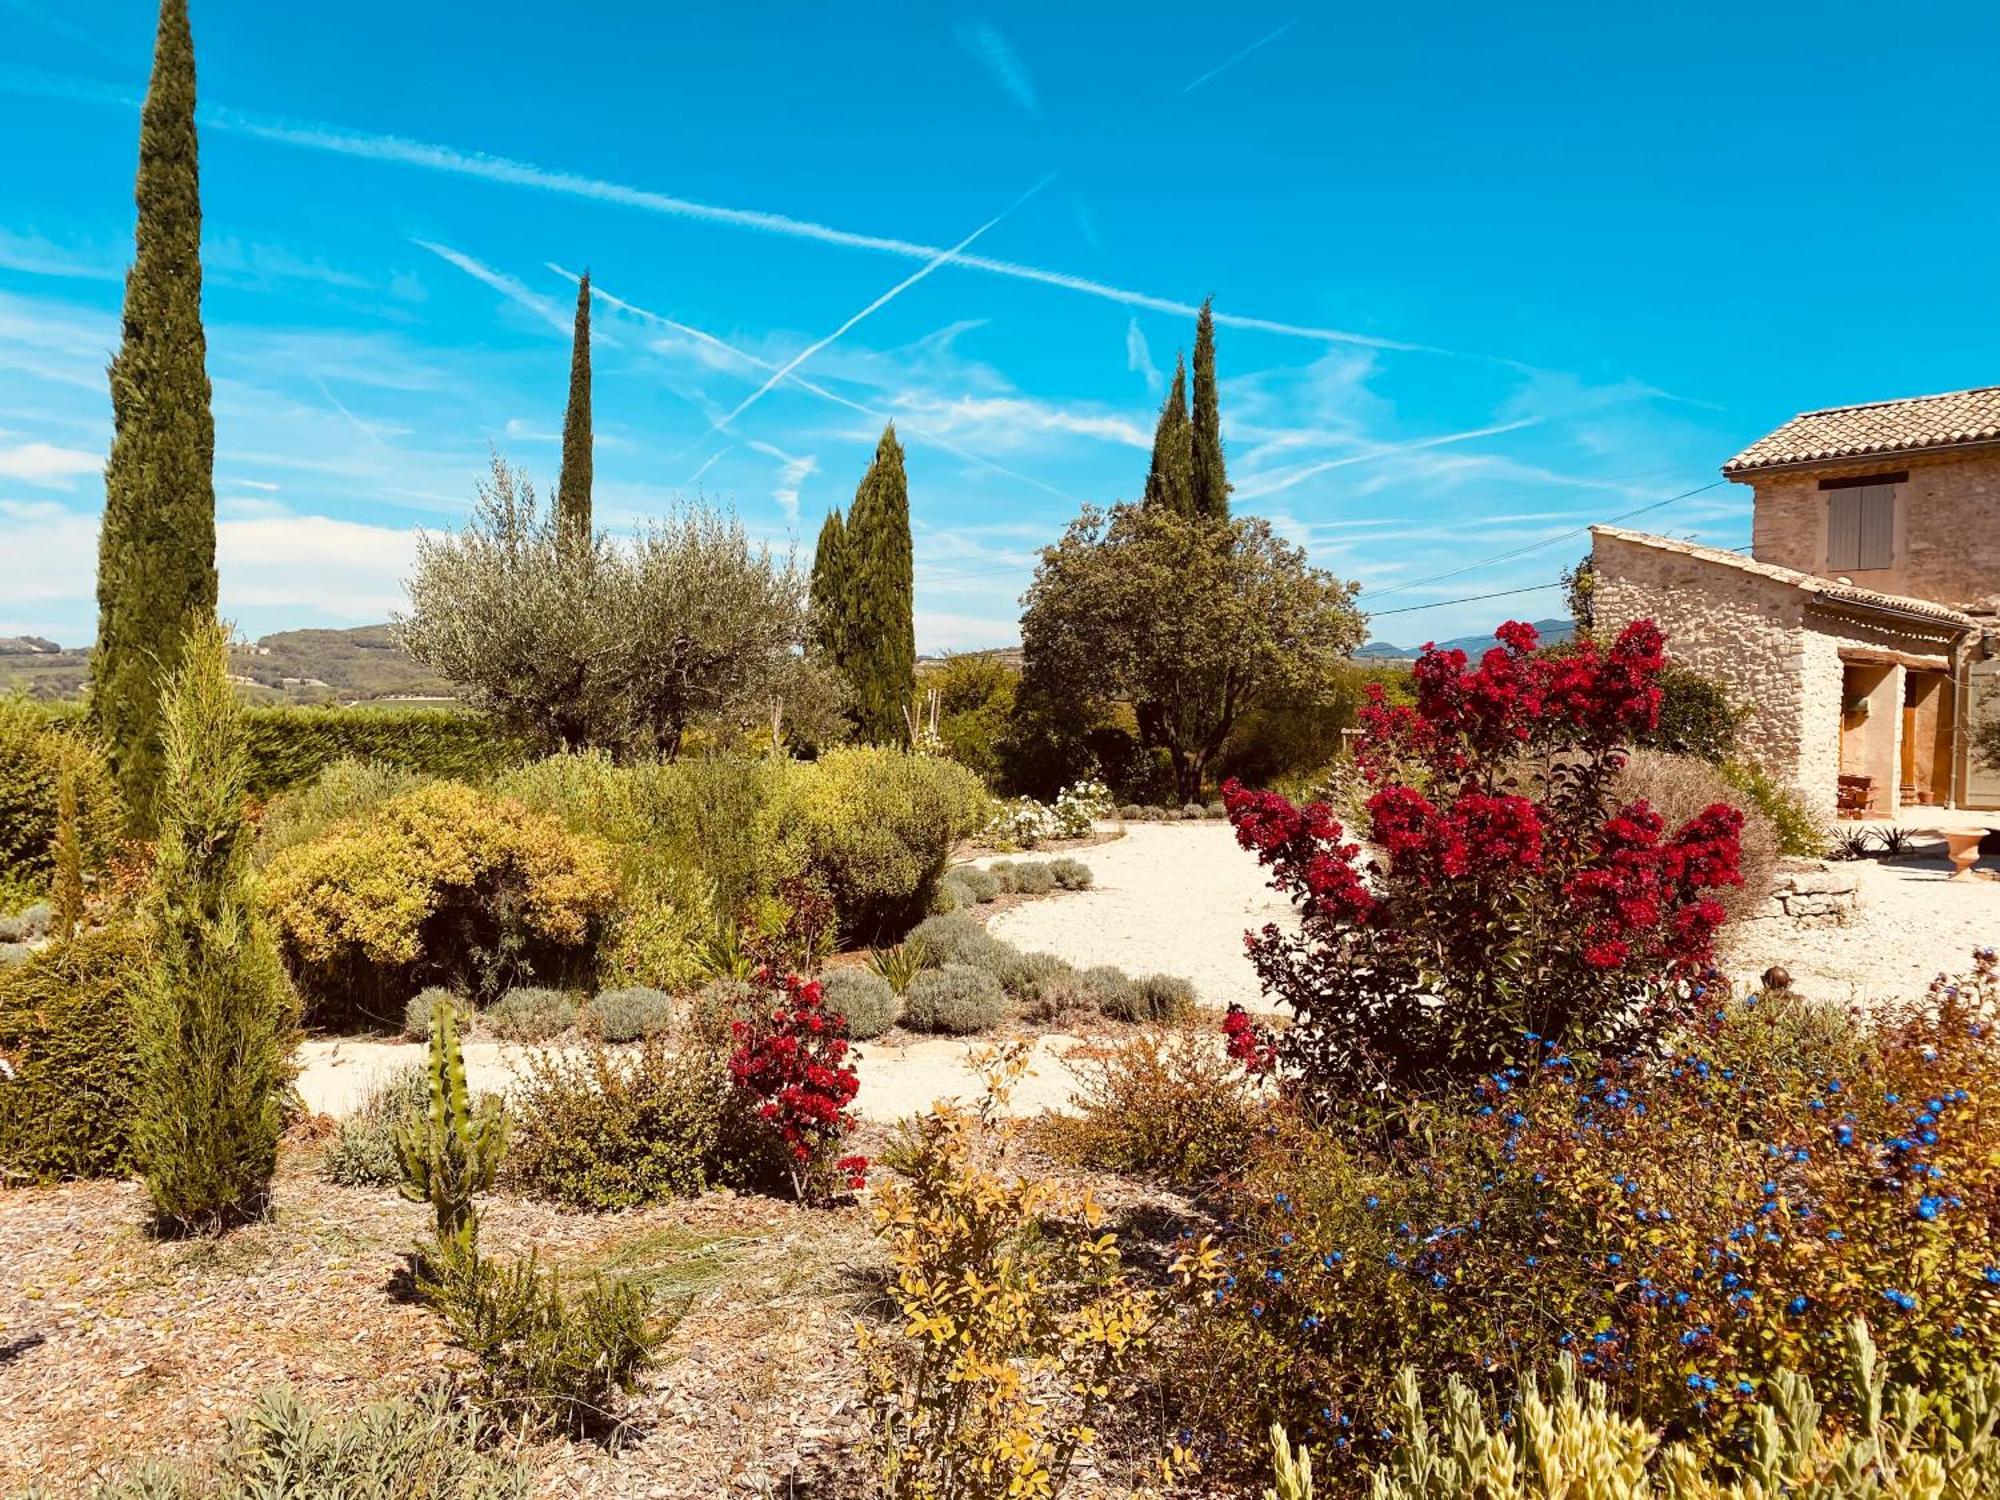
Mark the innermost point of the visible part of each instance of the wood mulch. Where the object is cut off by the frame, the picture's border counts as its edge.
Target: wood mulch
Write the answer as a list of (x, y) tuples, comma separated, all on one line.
[(115, 1345)]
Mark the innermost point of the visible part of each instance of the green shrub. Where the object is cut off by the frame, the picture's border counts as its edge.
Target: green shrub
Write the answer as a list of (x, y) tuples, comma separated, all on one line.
[(550, 1361), (1114, 992), (1034, 878), (897, 967), (423, 1006), (425, 1447), (627, 1015), (66, 1028), (362, 1152), (955, 938), (1801, 834), (1166, 1103), (1681, 787), (531, 1013), (1216, 810), (599, 1130), (956, 1000), (345, 789), (1072, 874), (982, 885), (952, 894), (444, 884), (1164, 997), (878, 827), (290, 746), (866, 999), (450, 1153), (1034, 978), (214, 1020), (1695, 718), (33, 743)]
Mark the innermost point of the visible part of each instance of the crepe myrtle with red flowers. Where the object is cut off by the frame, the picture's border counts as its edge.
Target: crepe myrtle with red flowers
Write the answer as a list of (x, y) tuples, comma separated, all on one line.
[(792, 1060), (1504, 893)]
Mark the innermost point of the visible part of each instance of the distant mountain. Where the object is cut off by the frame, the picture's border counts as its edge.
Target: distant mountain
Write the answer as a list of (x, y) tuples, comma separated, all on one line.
[(290, 666), (1551, 632)]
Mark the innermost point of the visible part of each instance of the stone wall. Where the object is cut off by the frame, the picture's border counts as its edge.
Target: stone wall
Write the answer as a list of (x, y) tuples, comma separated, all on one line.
[(1947, 524), (1812, 893)]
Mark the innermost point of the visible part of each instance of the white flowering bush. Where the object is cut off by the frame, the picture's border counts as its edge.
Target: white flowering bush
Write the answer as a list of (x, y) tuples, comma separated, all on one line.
[(1079, 806), (1021, 823)]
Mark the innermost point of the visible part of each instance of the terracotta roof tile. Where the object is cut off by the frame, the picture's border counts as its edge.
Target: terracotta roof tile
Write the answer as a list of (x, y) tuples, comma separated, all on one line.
[(1830, 589), (1906, 426)]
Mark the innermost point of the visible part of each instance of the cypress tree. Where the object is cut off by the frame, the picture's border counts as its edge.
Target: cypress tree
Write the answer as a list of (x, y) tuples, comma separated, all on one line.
[(213, 1015), (1170, 481), (156, 550), (1210, 485), (573, 483), (830, 589), (881, 641)]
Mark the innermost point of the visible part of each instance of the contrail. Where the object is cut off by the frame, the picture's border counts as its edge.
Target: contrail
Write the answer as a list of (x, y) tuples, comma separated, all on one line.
[(1230, 62), (941, 258), (812, 387), (500, 169)]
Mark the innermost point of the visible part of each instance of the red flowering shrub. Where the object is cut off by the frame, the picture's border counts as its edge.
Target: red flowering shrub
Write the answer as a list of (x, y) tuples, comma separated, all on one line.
[(1510, 899), (793, 1062)]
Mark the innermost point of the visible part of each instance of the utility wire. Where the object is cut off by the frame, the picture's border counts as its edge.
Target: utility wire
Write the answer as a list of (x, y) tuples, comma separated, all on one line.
[(1410, 609)]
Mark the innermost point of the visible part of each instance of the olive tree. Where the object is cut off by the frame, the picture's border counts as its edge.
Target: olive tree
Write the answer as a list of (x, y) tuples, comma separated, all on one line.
[(1193, 621), (591, 644)]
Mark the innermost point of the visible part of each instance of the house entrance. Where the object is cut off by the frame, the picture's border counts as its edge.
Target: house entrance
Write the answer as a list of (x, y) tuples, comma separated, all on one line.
[(1869, 721), (1927, 739)]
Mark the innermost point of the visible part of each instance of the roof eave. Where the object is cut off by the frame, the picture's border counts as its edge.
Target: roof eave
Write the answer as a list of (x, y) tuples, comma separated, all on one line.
[(1736, 471)]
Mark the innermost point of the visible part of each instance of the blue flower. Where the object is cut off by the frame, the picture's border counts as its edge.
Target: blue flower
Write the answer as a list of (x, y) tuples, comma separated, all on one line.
[(1901, 1299)]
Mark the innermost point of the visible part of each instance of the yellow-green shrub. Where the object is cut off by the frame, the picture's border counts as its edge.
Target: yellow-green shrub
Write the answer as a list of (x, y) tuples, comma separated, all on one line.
[(1166, 1103), (442, 883), (878, 826), (33, 743)]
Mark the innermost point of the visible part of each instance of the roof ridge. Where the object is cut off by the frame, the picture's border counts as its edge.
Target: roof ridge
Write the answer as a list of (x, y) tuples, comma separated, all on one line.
[(1827, 411)]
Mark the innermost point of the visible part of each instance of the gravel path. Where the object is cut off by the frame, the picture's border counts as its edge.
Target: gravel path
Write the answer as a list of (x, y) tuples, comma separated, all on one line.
[(1914, 923), (1169, 898)]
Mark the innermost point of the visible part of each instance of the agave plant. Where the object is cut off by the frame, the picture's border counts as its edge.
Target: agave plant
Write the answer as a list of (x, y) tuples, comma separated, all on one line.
[(901, 964)]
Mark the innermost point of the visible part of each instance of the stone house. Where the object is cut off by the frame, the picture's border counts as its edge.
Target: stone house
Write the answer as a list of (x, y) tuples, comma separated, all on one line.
[(1862, 633)]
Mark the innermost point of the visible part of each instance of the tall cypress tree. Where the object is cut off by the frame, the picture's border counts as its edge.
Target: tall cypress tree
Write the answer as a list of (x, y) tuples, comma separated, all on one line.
[(156, 550), (830, 589), (1210, 479), (881, 645), (573, 483), (1170, 481)]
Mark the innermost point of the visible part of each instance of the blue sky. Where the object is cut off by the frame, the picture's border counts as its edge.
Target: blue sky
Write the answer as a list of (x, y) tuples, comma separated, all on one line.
[(1485, 274)]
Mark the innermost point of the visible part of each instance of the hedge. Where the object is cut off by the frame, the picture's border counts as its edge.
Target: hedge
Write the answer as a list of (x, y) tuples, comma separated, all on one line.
[(293, 745)]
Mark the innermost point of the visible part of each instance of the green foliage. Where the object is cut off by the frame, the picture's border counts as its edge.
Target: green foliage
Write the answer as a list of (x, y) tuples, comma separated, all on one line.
[(866, 998), (551, 1361), (1681, 787), (955, 938), (1696, 717), (1800, 832), (35, 746), (1209, 481), (1986, 743), (1291, 1469), (451, 1152), (1044, 984), (975, 703), (1910, 1443), (595, 1129), (627, 1015), (878, 827), (347, 788), (1033, 878), (1165, 1103), (980, 886), (956, 1000), (214, 1018), (440, 883), (900, 965), (878, 634), (66, 1029), (1194, 620), (156, 547), (1283, 742), (425, 1447), (832, 579), (422, 1010), (290, 747), (573, 481), (1170, 478), (575, 643), (362, 1152), (1580, 594), (1071, 874), (531, 1013)]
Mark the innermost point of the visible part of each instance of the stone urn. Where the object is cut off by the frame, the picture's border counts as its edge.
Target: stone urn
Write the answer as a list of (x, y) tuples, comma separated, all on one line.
[(1962, 846)]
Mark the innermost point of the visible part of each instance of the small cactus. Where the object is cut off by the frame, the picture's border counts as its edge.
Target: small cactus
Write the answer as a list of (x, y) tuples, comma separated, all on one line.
[(1291, 1467), (451, 1152)]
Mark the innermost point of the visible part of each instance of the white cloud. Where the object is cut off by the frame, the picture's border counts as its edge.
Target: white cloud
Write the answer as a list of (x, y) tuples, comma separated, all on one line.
[(316, 564), (36, 256), (1012, 421), (793, 471), (1139, 356), (47, 465), (1232, 60), (507, 286), (993, 52)]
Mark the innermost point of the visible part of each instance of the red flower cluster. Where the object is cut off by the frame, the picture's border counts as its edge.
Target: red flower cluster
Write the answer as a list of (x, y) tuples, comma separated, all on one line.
[(1509, 893), (794, 1061), (1249, 1045)]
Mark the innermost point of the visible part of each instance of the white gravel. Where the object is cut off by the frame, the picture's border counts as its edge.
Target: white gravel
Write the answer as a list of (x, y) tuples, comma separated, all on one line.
[(1913, 924), (1169, 898)]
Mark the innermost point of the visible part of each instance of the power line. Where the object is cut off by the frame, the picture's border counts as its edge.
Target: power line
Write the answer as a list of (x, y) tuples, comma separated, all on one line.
[(1410, 609), (1544, 542)]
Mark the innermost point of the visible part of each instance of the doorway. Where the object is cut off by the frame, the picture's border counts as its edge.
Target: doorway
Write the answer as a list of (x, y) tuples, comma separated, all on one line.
[(1927, 738)]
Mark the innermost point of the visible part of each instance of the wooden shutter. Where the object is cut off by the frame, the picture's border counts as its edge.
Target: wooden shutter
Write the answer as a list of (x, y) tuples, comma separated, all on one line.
[(1843, 530), (1877, 545)]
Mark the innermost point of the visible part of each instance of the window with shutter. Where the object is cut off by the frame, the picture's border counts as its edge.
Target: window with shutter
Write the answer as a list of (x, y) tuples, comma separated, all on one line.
[(1860, 525)]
